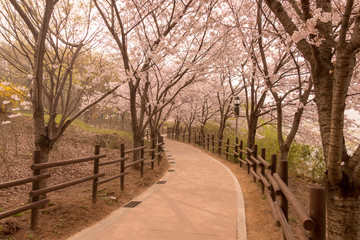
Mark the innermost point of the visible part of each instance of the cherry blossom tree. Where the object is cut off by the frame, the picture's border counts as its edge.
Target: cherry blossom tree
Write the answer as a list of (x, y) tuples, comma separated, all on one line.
[(188, 108), (207, 99), (287, 78), (50, 35), (163, 43), (225, 88), (245, 64), (196, 104), (327, 33)]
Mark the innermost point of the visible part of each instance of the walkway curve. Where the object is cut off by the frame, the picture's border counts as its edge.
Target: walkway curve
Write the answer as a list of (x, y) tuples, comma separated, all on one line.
[(201, 199)]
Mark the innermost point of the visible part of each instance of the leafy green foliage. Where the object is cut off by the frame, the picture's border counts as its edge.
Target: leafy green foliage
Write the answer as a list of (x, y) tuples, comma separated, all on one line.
[(307, 161), (304, 160)]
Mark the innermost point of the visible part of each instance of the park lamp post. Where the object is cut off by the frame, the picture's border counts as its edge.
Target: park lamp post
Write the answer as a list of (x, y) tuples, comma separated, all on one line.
[(236, 110)]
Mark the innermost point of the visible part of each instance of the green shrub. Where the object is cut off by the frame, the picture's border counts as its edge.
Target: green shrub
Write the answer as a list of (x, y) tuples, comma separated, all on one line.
[(304, 160)]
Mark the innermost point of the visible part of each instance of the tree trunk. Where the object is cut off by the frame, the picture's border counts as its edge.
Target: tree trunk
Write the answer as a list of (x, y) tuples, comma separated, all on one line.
[(323, 85), (137, 143), (343, 205), (343, 210), (177, 130), (284, 152), (154, 134), (45, 148), (331, 81), (202, 130), (252, 127), (189, 131), (122, 123), (221, 131)]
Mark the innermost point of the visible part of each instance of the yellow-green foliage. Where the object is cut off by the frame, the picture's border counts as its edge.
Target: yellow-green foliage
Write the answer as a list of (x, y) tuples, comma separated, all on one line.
[(83, 125), (10, 97)]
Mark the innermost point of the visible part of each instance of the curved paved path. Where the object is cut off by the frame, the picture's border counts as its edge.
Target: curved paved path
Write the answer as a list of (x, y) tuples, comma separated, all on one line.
[(201, 199)]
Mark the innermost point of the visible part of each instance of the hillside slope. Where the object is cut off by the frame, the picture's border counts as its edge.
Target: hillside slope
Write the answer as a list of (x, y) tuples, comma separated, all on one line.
[(70, 209)]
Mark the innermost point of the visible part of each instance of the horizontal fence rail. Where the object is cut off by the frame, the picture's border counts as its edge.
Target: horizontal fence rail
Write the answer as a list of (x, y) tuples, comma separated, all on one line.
[(273, 184), (38, 194)]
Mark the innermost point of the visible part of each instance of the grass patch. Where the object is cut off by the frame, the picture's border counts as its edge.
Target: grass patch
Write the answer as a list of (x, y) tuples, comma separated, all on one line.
[(293, 220), (18, 214), (83, 125)]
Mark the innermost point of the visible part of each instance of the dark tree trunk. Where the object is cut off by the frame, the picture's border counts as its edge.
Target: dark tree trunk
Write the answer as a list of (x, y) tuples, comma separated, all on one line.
[(331, 81), (343, 208), (177, 129), (252, 127)]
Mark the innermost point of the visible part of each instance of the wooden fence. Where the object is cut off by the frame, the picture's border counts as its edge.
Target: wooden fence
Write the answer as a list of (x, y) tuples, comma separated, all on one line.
[(38, 194), (273, 183)]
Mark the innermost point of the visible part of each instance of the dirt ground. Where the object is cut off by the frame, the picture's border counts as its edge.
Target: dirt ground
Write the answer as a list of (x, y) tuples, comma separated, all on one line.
[(70, 209)]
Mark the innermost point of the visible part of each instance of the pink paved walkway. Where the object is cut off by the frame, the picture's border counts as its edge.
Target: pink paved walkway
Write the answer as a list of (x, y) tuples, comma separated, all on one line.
[(200, 200)]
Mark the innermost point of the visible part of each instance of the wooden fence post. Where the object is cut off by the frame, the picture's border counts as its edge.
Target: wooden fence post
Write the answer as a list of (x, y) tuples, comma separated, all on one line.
[(96, 171), (194, 137), (189, 130), (152, 153), (204, 140), (35, 186), (213, 143), (227, 148), (142, 162), (199, 139), (122, 166), (208, 142), (262, 169), (255, 156), (283, 172), (184, 132), (273, 170), (219, 147), (317, 208), (248, 157), (159, 150), (241, 154), (236, 150)]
